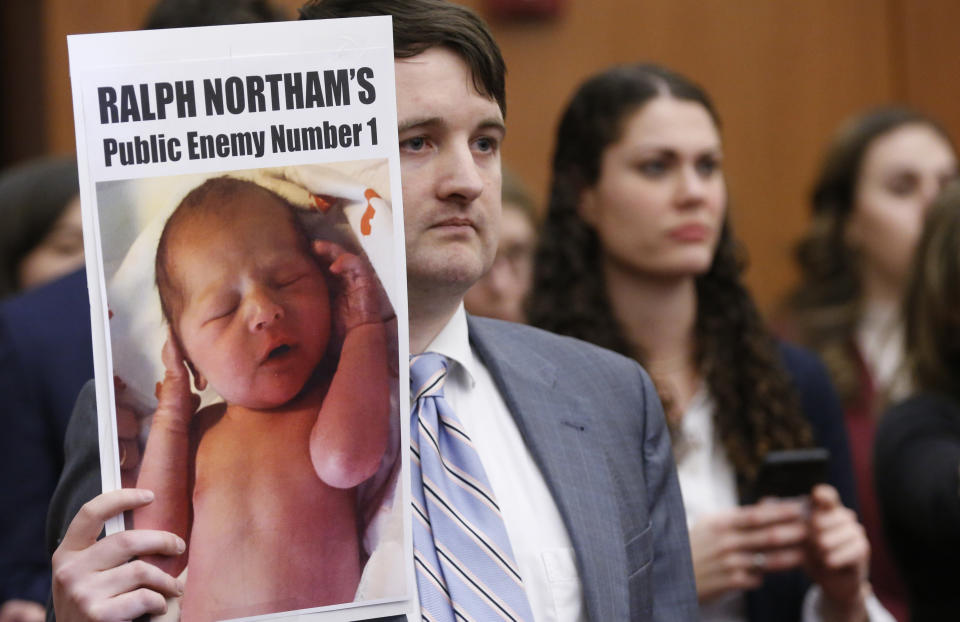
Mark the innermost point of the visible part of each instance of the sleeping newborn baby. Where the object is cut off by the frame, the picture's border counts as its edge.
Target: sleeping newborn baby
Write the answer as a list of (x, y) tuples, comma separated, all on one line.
[(289, 333)]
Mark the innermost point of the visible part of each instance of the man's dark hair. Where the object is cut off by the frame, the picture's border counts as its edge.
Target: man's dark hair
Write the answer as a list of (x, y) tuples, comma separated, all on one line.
[(419, 25)]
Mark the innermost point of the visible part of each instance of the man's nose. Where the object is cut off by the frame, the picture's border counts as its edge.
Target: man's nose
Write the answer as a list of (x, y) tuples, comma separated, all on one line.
[(460, 177), (262, 309)]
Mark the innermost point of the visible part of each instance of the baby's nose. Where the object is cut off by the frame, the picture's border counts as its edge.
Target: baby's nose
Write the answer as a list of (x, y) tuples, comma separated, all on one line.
[(264, 311)]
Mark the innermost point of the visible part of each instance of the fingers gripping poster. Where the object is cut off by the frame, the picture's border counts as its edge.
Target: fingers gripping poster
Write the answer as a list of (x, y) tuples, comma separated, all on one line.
[(243, 229)]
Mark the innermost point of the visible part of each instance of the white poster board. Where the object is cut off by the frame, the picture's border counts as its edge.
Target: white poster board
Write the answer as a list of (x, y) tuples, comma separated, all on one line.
[(221, 125)]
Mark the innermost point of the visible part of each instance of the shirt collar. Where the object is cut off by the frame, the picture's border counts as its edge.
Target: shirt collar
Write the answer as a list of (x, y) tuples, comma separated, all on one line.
[(453, 342)]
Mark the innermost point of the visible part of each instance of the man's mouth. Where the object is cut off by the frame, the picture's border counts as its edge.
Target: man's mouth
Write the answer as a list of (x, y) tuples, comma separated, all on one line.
[(455, 222)]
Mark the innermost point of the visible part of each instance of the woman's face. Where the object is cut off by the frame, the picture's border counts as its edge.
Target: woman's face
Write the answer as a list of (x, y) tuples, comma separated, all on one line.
[(502, 291), (659, 202), (59, 253), (902, 172)]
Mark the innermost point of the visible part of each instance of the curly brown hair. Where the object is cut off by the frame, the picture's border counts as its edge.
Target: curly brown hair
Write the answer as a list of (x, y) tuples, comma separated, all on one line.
[(757, 409), (931, 307), (825, 307)]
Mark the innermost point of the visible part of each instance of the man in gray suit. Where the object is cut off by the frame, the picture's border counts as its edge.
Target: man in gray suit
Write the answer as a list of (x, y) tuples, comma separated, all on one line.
[(572, 437)]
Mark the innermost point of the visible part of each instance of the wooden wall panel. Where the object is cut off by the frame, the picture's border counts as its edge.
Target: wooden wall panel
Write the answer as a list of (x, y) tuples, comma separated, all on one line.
[(783, 75), (63, 17), (931, 58), (22, 108)]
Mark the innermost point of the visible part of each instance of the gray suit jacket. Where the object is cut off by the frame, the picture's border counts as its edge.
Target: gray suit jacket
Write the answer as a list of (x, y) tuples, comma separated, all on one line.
[(595, 427)]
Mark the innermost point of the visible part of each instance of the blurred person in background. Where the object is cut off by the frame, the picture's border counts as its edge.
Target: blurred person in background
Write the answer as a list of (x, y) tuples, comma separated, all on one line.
[(637, 255), (45, 343), (41, 240), (877, 179), (41, 237), (502, 292), (45, 357), (917, 459)]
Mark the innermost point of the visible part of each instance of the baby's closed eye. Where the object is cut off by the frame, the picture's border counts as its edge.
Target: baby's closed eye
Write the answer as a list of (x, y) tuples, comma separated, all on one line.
[(289, 279), (221, 308), (285, 273)]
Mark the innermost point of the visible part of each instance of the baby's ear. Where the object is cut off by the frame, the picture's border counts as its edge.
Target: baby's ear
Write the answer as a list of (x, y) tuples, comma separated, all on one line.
[(198, 380)]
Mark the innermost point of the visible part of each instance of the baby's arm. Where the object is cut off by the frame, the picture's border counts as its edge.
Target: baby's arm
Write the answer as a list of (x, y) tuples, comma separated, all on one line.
[(350, 435), (167, 460)]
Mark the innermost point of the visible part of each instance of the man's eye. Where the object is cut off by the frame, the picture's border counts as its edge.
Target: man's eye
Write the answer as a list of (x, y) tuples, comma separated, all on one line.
[(417, 143), (485, 143)]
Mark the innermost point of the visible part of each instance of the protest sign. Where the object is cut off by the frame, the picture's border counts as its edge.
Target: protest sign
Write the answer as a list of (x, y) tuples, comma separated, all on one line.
[(243, 235)]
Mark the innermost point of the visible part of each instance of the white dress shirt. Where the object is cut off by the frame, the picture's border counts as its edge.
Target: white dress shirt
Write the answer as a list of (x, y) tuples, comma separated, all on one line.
[(541, 545)]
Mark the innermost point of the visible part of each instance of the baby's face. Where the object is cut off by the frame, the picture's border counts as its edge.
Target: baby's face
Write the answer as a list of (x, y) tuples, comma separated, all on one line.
[(255, 318)]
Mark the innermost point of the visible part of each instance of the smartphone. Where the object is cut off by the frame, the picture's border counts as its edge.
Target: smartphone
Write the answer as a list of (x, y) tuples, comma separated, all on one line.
[(791, 472)]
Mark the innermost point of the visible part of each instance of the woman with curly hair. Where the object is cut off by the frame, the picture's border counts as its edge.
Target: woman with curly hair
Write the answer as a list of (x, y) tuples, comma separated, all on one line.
[(918, 440), (879, 175), (637, 255)]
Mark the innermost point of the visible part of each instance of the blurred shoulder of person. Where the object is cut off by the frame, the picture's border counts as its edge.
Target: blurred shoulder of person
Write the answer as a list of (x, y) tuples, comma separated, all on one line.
[(917, 451)]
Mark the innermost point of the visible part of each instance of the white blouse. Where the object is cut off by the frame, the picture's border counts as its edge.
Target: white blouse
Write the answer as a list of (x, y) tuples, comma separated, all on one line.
[(709, 485)]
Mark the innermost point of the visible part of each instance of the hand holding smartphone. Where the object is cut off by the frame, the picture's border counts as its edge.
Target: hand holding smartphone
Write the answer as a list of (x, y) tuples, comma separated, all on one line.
[(791, 472)]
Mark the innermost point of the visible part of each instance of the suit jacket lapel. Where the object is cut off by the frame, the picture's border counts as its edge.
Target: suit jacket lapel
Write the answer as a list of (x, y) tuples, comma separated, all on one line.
[(562, 438)]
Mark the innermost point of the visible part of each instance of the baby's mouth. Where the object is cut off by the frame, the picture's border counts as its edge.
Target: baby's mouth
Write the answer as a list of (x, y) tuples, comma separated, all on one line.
[(278, 352)]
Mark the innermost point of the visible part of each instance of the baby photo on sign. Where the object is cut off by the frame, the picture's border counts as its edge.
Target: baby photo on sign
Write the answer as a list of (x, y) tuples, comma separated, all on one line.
[(255, 361)]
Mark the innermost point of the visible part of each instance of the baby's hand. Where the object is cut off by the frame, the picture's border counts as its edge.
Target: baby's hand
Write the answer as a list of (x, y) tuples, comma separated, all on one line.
[(175, 400), (358, 301)]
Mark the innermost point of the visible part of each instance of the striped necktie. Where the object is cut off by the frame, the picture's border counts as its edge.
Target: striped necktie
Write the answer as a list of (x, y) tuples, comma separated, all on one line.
[(465, 566)]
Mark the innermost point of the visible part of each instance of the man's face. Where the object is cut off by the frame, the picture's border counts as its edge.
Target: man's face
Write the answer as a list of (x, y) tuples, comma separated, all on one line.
[(450, 137)]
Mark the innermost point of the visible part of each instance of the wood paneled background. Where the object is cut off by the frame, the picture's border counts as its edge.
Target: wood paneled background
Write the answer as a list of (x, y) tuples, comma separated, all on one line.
[(783, 75)]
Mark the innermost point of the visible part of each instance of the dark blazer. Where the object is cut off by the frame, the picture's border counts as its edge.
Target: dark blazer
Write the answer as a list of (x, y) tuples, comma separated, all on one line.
[(595, 427), (781, 596), (45, 357), (917, 468)]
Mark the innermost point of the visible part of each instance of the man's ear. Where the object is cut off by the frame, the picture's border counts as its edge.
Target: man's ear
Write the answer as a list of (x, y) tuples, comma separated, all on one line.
[(198, 380)]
